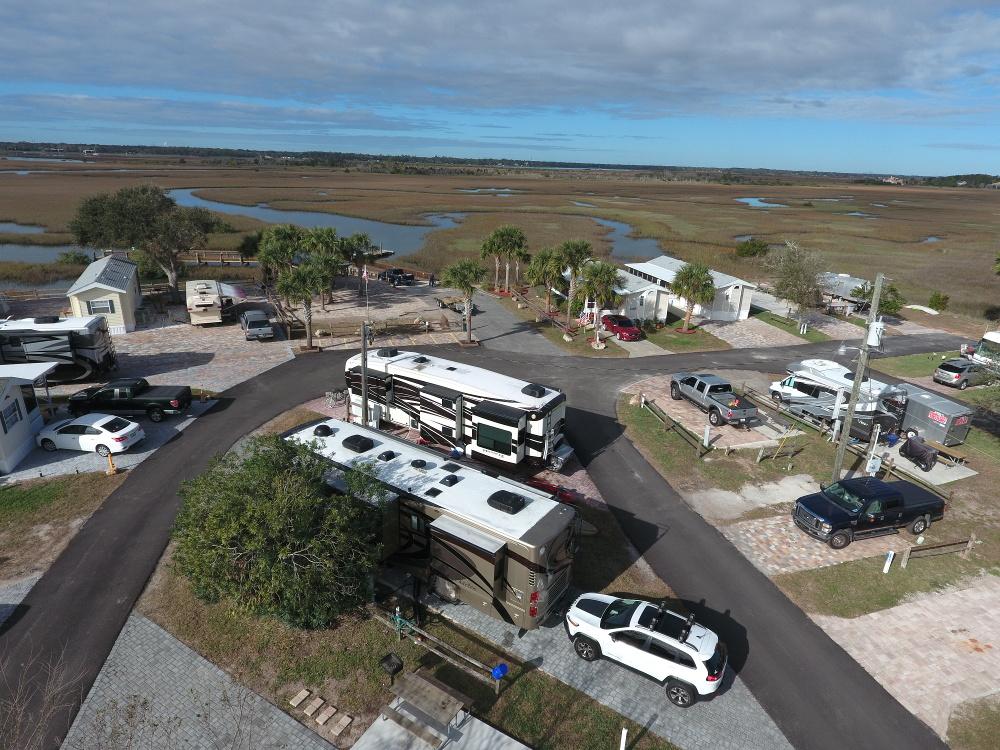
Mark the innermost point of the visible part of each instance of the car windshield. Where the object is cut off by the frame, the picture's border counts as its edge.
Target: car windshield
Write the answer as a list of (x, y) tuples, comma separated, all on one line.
[(619, 613), (116, 425), (843, 497)]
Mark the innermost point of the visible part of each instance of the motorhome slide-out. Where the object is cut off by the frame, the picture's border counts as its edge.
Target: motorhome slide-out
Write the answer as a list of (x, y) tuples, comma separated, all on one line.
[(474, 536), (481, 413), (81, 347)]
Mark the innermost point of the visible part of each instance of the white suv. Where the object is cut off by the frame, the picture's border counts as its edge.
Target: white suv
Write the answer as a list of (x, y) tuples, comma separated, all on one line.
[(671, 649)]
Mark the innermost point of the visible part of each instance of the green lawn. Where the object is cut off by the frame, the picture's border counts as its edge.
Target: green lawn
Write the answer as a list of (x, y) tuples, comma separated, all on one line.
[(670, 338), (858, 587), (912, 365), (975, 724), (790, 326)]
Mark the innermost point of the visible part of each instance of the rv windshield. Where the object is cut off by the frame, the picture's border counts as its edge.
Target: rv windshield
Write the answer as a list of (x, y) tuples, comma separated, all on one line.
[(988, 349), (844, 498)]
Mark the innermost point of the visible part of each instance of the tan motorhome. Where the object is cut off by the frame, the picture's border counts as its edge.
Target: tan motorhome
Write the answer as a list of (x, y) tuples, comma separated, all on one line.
[(498, 545), (207, 301)]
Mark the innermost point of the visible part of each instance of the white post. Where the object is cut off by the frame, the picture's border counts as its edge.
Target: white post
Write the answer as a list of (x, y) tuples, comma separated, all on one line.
[(621, 745), (836, 415), (708, 436), (888, 561)]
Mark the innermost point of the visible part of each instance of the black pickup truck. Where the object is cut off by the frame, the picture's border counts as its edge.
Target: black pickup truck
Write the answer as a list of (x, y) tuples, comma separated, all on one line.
[(864, 507), (131, 396)]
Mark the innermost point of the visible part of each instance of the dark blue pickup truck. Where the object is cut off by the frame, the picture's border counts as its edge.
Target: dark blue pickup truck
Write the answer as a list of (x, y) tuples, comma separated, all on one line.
[(865, 507)]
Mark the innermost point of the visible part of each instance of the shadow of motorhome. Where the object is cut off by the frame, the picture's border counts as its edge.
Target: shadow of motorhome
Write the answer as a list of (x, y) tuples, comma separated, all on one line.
[(146, 365)]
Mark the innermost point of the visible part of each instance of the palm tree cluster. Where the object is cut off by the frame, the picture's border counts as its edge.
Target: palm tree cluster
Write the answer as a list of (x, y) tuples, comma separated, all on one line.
[(305, 262)]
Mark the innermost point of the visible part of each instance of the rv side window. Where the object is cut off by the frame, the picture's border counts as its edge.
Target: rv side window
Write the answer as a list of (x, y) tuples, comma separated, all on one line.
[(493, 439), (416, 523), (447, 403)]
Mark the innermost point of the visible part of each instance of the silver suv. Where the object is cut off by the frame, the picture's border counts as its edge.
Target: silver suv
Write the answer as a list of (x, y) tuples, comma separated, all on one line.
[(961, 373), (256, 325)]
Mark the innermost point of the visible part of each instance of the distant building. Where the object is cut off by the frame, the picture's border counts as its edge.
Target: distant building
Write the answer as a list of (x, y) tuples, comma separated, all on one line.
[(108, 287), (647, 295), (838, 292), (894, 180)]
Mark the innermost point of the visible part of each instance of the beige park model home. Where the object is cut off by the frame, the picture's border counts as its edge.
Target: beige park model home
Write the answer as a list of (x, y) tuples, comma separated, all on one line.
[(109, 288), (500, 546)]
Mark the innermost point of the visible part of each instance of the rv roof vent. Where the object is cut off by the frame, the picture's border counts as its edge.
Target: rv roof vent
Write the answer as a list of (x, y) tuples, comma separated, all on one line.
[(506, 501), (47, 319), (534, 390), (451, 368), (386, 456), (358, 443), (418, 463), (451, 467), (386, 352), (450, 481), (433, 492), (322, 430), (202, 287), (421, 360)]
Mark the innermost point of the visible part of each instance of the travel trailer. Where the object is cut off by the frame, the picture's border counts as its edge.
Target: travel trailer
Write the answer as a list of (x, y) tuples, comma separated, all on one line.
[(80, 347), (815, 382), (208, 301), (481, 413), (987, 351), (473, 536)]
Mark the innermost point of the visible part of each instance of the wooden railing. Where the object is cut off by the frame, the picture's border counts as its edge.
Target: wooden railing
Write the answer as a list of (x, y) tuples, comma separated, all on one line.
[(674, 426)]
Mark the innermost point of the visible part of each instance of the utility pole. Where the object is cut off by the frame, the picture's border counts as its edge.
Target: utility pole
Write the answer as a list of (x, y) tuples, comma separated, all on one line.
[(364, 374), (859, 375)]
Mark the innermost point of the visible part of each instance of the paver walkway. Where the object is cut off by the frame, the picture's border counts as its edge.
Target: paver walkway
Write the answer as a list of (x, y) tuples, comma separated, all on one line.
[(751, 334), (733, 720), (178, 699), (776, 545), (11, 594), (949, 640), (641, 348)]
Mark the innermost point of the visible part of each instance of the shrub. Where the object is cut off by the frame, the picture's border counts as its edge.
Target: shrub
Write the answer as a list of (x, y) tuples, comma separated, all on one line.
[(260, 527), (73, 258), (752, 248), (939, 301)]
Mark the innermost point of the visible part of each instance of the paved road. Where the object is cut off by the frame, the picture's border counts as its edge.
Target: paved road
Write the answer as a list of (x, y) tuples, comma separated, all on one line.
[(804, 680)]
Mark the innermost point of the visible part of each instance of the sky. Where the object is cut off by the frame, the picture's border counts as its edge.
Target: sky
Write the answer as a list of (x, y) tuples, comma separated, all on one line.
[(898, 86)]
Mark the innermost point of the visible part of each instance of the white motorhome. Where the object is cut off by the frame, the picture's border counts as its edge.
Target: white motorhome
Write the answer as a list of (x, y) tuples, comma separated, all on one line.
[(81, 347), (987, 351), (500, 546), (479, 412), (815, 383), (208, 301)]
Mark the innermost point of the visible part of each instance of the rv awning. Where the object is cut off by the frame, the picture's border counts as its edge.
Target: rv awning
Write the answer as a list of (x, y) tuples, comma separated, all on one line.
[(27, 373), (432, 389), (470, 536), (501, 413)]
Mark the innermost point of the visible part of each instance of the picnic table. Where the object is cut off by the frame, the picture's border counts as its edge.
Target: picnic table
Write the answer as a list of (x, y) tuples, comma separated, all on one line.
[(426, 697), (951, 453)]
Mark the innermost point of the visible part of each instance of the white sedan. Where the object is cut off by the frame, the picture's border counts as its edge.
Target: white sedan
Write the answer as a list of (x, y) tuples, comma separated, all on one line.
[(101, 433), (674, 650)]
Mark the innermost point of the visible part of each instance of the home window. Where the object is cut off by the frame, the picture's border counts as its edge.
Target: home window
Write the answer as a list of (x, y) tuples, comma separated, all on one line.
[(493, 439), (11, 415), (100, 306), (30, 400)]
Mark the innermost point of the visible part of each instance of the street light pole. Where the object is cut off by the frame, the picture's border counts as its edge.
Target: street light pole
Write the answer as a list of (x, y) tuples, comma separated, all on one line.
[(364, 374), (859, 374)]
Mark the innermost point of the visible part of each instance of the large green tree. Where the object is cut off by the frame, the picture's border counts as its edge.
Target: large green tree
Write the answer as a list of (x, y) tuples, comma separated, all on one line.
[(465, 276), (600, 282), (694, 283), (890, 302), (796, 277), (546, 269), (279, 246), (179, 231), (358, 250), (574, 255), (259, 527)]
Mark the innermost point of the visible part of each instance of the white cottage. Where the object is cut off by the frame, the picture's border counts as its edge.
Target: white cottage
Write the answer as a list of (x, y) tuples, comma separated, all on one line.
[(647, 295), (20, 416), (108, 287)]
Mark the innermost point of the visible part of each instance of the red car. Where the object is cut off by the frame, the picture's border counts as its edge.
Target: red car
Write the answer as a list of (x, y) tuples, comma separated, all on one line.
[(622, 327)]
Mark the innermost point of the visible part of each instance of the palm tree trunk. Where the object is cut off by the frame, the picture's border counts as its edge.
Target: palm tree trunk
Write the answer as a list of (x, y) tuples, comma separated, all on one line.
[(687, 316), (569, 299), (468, 319), (517, 273), (496, 273), (307, 313), (506, 277), (548, 299)]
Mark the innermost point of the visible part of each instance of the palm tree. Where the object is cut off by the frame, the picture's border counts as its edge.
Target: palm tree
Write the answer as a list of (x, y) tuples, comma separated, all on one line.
[(503, 243), (326, 252), (600, 282), (545, 269), (358, 249), (694, 283), (278, 247), (464, 276), (574, 255), (301, 282), (520, 257)]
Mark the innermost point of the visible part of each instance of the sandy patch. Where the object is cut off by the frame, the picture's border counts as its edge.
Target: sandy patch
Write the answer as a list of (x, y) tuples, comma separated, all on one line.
[(725, 505)]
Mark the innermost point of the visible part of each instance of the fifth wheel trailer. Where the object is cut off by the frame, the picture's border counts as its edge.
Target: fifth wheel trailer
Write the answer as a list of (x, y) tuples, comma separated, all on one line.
[(479, 412), (500, 546)]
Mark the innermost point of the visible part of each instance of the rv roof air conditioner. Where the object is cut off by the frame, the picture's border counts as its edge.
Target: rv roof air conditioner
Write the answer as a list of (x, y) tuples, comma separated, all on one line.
[(418, 463), (386, 456), (358, 443), (47, 319), (534, 390), (202, 287), (421, 360), (322, 430), (386, 352), (505, 501)]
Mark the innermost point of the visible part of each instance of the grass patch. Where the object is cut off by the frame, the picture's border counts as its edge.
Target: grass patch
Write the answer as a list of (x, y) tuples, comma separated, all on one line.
[(987, 398), (813, 335), (858, 587), (38, 273), (984, 444), (341, 663), (912, 365), (676, 459), (580, 345), (289, 420), (975, 724), (670, 338), (38, 518)]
